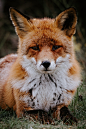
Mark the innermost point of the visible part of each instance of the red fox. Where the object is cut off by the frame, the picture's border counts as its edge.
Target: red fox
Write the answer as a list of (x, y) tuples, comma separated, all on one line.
[(44, 74)]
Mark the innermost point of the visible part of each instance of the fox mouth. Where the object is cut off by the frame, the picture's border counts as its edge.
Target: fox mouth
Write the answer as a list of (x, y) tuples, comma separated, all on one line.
[(46, 71)]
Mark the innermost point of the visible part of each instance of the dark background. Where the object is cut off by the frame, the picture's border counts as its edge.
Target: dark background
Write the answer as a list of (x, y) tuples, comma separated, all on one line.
[(40, 9)]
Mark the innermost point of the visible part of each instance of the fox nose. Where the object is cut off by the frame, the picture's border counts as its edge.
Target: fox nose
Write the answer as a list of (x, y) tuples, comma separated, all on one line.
[(46, 64)]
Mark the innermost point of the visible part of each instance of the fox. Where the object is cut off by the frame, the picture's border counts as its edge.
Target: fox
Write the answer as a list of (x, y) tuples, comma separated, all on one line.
[(44, 74)]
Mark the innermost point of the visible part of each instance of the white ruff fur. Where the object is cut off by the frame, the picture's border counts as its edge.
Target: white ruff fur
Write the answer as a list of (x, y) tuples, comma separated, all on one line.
[(48, 89)]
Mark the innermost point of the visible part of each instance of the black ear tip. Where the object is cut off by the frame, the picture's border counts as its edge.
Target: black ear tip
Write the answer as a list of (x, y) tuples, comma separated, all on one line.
[(73, 9), (11, 8)]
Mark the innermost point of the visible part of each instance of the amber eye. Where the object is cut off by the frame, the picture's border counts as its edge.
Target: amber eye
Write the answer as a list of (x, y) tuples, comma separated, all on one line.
[(55, 47), (35, 48)]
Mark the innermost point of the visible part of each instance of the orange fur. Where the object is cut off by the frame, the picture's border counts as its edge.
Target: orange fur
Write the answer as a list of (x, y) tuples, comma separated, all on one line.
[(37, 37)]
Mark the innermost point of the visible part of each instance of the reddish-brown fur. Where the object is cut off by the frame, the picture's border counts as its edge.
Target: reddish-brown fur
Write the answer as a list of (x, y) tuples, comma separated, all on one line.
[(36, 32)]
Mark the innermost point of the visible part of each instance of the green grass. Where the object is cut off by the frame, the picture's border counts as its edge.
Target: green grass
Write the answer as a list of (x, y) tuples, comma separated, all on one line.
[(8, 119)]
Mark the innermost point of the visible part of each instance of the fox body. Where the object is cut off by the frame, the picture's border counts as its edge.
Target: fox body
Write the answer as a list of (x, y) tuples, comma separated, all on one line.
[(44, 74)]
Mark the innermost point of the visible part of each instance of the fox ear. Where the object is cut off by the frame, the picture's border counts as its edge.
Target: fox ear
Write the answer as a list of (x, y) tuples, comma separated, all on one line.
[(21, 22), (66, 21)]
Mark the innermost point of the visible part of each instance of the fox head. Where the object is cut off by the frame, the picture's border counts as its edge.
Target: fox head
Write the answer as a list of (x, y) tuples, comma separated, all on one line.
[(45, 44)]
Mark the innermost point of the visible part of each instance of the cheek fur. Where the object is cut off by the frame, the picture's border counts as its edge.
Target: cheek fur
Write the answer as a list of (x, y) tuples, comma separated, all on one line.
[(59, 52), (33, 61), (32, 54)]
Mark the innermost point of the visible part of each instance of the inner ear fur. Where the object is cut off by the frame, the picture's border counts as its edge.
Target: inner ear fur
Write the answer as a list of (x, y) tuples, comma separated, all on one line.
[(66, 21), (21, 22)]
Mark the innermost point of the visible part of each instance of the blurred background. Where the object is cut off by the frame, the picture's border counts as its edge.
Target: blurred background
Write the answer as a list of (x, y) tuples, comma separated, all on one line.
[(40, 9)]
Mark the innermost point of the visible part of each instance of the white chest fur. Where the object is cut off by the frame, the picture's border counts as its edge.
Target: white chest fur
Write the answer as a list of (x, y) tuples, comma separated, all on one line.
[(47, 90)]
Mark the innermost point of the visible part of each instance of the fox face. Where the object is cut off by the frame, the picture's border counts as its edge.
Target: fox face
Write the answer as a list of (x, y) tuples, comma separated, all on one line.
[(45, 44), (47, 54)]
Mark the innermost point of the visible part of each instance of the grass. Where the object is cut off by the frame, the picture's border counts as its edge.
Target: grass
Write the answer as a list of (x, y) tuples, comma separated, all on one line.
[(8, 119)]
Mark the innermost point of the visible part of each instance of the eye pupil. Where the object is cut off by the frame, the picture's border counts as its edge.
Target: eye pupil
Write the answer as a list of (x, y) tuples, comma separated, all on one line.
[(35, 48), (55, 47)]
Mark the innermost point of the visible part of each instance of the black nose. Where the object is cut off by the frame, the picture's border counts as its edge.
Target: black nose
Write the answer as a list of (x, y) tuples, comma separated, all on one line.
[(46, 64)]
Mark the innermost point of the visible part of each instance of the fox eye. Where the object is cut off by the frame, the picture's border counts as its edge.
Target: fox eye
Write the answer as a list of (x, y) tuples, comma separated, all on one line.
[(55, 47), (35, 48)]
